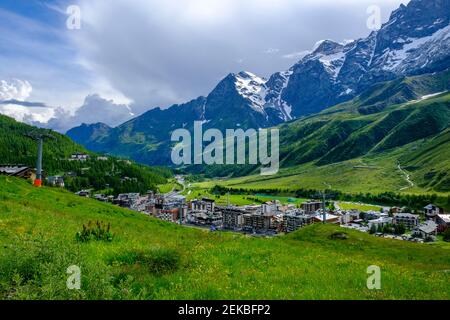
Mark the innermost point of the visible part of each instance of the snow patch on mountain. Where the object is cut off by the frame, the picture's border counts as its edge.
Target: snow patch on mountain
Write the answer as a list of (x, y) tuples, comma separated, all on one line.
[(333, 62), (274, 100), (253, 88), (393, 59)]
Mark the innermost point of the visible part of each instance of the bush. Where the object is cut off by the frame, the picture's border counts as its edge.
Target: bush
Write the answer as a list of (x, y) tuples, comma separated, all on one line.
[(339, 236), (98, 231), (158, 261), (163, 261)]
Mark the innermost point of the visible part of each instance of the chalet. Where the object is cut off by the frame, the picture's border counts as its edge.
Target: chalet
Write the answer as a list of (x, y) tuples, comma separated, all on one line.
[(443, 222), (166, 207), (396, 210), (426, 230), (56, 181), (79, 157), (432, 211), (103, 197), (19, 171), (410, 221), (84, 193)]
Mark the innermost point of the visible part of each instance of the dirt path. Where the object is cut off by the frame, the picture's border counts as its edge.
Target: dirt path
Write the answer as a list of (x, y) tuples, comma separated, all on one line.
[(407, 178)]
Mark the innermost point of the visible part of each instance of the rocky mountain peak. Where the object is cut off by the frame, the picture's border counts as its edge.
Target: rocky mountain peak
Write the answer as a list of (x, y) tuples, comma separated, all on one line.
[(327, 47)]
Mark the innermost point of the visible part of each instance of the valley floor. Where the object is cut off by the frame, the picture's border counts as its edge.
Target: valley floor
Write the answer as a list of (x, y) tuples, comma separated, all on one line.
[(151, 259)]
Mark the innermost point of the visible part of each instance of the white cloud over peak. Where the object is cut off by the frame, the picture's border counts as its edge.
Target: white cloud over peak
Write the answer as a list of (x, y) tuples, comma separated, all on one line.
[(158, 53), (150, 53)]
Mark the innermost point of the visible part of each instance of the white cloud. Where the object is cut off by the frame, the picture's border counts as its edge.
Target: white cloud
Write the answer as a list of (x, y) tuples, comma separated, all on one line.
[(148, 53), (27, 114), (15, 90), (161, 52), (94, 109)]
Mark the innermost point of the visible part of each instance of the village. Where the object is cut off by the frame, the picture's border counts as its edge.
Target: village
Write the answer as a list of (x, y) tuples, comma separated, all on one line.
[(267, 219), (273, 217)]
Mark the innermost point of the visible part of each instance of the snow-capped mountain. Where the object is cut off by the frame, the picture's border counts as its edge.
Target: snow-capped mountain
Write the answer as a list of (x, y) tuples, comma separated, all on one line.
[(415, 40), (253, 88)]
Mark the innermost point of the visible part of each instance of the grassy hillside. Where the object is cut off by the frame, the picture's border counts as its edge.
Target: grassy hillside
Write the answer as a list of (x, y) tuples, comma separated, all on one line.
[(392, 138), (403, 148), (16, 148), (332, 138), (150, 259), (426, 161)]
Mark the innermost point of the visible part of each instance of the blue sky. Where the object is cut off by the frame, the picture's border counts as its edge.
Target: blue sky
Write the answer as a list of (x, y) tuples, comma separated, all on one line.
[(149, 53), (35, 46)]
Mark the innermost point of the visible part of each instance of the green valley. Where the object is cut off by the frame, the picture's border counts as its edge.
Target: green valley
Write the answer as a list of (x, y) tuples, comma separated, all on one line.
[(355, 147)]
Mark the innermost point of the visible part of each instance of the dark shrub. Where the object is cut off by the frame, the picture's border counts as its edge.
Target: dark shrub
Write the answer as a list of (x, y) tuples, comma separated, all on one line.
[(97, 231), (158, 261), (339, 236), (163, 261)]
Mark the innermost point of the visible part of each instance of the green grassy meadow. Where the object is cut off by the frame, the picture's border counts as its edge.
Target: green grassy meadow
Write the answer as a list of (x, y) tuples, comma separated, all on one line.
[(373, 173), (151, 259)]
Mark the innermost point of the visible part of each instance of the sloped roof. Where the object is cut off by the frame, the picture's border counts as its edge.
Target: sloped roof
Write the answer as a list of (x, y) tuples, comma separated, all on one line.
[(12, 170)]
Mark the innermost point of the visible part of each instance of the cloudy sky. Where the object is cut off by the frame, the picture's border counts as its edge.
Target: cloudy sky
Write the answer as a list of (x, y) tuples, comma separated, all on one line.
[(133, 55)]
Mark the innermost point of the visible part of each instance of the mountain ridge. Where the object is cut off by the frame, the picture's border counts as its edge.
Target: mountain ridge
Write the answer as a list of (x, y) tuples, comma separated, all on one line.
[(332, 74)]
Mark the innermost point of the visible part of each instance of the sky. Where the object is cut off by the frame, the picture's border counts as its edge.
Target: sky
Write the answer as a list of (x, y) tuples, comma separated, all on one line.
[(129, 56)]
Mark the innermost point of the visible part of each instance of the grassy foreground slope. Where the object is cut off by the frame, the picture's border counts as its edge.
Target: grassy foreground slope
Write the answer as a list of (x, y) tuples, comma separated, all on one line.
[(151, 259)]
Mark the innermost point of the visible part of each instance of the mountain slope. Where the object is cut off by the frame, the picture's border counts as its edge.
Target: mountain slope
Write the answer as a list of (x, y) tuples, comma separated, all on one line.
[(352, 152), (332, 74), (105, 175), (150, 259)]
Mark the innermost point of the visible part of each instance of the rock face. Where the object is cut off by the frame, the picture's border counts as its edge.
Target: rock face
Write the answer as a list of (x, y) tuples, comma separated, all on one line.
[(415, 40)]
